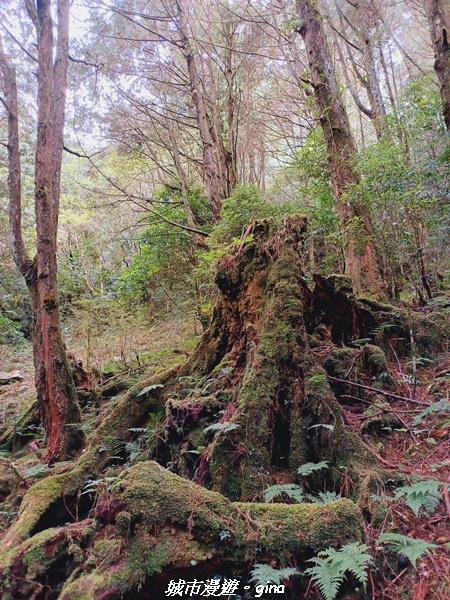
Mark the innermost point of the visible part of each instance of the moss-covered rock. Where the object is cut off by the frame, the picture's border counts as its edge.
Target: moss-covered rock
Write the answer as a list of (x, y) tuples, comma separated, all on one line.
[(374, 359), (379, 418)]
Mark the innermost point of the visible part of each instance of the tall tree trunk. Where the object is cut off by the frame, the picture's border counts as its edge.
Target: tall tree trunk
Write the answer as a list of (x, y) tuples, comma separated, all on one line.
[(361, 256), (53, 376), (368, 80), (438, 14), (213, 160), (197, 238)]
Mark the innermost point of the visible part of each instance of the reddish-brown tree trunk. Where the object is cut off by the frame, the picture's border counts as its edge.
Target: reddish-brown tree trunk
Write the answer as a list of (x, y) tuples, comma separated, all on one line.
[(53, 377), (438, 14), (361, 256)]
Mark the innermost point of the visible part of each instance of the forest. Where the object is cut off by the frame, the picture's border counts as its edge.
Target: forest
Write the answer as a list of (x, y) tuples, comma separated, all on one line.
[(224, 299)]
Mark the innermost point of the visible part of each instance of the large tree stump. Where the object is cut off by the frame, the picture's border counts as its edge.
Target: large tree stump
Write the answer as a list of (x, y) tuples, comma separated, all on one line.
[(250, 407), (281, 412)]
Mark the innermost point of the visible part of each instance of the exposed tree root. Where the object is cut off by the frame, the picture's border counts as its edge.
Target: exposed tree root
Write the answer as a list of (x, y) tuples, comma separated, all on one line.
[(152, 519)]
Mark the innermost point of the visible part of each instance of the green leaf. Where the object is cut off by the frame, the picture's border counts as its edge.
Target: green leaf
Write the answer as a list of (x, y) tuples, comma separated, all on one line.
[(290, 489), (423, 494), (331, 567), (224, 427), (35, 471), (263, 574), (150, 388), (310, 467), (325, 497), (442, 405), (412, 548)]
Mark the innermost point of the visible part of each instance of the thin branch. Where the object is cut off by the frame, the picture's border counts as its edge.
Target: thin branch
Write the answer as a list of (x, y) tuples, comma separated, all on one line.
[(75, 153), (21, 46), (384, 392), (85, 62)]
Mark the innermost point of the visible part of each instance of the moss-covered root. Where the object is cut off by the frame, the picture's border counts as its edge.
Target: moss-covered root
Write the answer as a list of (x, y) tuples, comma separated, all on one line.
[(131, 411), (158, 520), (51, 553)]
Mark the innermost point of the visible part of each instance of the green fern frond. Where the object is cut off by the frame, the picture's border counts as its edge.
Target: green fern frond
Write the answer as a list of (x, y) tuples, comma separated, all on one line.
[(290, 489), (310, 467), (325, 497), (224, 427), (263, 574), (423, 494), (35, 471), (331, 567), (323, 425), (442, 405), (133, 450), (412, 548), (150, 388)]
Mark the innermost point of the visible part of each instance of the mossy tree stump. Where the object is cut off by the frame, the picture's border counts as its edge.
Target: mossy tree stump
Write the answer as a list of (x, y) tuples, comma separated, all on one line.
[(281, 411), (248, 409)]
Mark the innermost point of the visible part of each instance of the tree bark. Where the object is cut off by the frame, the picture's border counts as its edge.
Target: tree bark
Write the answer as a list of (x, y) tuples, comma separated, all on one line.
[(362, 260), (438, 14), (55, 388), (369, 81), (213, 174)]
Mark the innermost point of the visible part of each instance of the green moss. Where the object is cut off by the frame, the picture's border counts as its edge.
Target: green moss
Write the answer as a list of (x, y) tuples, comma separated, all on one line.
[(174, 522), (379, 419), (341, 283), (36, 553), (38, 499), (374, 359), (302, 527), (130, 410), (153, 495), (339, 360)]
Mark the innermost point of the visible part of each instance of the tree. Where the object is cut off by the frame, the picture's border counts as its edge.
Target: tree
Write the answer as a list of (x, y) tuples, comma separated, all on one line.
[(364, 25), (438, 14), (362, 261), (53, 377)]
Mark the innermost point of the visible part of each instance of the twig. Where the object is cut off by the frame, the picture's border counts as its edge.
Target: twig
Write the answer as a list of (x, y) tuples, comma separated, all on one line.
[(399, 575), (385, 410), (355, 358), (407, 412), (384, 392), (378, 457), (400, 368)]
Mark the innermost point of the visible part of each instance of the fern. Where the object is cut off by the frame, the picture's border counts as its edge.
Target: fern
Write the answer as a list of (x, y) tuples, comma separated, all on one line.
[(133, 450), (263, 574), (410, 547), (95, 486), (224, 427), (113, 447), (150, 388), (331, 567), (423, 494), (325, 497), (310, 467), (142, 430), (442, 405), (35, 471), (290, 489)]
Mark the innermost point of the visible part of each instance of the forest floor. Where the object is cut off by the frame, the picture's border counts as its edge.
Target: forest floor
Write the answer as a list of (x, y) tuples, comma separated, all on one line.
[(413, 445)]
